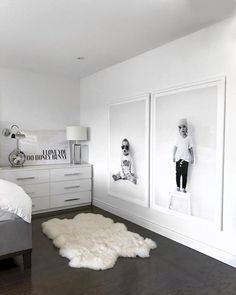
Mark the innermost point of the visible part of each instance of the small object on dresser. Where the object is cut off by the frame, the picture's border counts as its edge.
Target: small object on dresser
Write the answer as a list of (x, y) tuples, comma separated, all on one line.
[(17, 158)]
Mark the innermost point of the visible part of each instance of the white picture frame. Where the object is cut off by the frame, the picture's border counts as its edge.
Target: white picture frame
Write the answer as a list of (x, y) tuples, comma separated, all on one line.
[(189, 92), (135, 114)]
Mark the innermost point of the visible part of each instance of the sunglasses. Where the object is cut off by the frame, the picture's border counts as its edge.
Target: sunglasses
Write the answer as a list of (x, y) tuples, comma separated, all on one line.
[(125, 147)]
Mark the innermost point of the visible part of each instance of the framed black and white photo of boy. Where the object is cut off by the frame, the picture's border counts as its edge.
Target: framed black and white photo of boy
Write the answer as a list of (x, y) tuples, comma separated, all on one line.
[(187, 144), (129, 150)]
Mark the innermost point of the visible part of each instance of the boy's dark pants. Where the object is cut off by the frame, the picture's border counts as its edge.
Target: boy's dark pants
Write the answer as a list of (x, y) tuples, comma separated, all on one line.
[(181, 170)]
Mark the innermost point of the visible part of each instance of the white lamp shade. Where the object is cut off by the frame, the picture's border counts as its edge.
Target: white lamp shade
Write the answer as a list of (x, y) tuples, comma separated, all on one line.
[(76, 133)]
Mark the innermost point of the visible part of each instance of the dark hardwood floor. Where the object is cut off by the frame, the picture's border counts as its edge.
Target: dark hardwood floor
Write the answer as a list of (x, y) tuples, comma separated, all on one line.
[(171, 269)]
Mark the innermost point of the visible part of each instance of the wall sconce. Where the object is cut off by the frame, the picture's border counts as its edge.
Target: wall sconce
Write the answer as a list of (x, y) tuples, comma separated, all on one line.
[(76, 133), (14, 132)]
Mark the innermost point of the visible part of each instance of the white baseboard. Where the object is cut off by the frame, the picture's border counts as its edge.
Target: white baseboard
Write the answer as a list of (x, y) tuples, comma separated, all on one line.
[(194, 244)]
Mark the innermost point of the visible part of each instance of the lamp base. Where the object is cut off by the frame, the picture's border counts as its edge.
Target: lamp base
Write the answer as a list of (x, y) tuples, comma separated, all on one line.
[(76, 154)]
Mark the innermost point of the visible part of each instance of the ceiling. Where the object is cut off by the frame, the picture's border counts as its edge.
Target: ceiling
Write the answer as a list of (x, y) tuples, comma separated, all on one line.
[(48, 35)]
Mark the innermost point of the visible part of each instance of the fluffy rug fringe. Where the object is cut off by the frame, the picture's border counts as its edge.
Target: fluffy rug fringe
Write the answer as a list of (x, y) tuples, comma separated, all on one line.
[(93, 241)]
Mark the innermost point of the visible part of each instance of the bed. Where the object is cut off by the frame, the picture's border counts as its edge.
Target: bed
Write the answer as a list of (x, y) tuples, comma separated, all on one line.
[(15, 226)]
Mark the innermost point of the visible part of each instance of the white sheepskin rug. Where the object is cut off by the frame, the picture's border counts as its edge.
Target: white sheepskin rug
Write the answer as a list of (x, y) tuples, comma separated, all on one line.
[(93, 241)]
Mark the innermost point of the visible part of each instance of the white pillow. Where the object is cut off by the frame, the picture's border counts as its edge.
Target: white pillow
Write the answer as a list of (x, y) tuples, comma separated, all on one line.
[(13, 199)]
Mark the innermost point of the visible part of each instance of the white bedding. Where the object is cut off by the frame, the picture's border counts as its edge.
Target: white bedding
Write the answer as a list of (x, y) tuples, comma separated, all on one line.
[(14, 200)]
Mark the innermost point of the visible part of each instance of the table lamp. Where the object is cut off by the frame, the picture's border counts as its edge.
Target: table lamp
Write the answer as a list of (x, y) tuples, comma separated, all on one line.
[(76, 133)]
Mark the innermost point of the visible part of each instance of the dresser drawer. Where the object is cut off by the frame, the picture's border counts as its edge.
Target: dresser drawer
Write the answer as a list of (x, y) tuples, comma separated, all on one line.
[(22, 177), (70, 173), (40, 203), (72, 186), (70, 200), (36, 189)]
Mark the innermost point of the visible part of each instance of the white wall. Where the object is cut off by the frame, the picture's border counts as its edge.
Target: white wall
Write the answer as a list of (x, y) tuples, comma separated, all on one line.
[(207, 53), (37, 101)]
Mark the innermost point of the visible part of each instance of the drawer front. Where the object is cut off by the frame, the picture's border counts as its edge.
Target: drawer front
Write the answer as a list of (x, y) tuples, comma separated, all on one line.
[(72, 186), (70, 173), (40, 204), (36, 190), (67, 200), (22, 177)]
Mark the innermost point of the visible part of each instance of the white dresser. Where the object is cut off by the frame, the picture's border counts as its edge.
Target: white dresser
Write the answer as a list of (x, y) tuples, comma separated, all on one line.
[(53, 187)]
